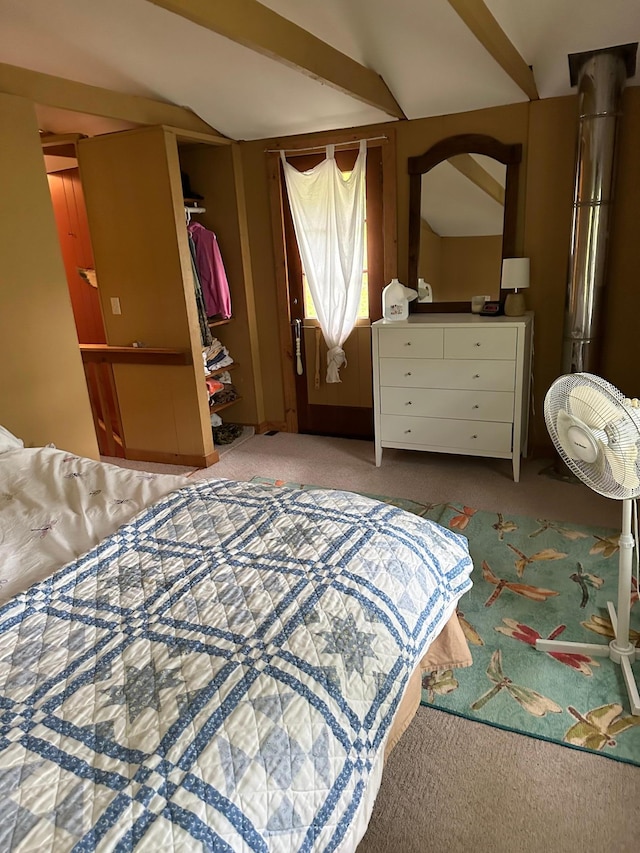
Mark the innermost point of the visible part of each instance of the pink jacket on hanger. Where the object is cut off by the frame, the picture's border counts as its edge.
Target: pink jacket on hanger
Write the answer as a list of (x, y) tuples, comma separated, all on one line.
[(213, 278)]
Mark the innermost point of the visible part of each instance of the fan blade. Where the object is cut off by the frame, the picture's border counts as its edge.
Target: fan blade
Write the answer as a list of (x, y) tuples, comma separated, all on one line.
[(592, 407), (623, 466)]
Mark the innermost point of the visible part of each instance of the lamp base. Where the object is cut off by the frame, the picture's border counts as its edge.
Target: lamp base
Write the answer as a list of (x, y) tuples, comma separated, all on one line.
[(514, 305)]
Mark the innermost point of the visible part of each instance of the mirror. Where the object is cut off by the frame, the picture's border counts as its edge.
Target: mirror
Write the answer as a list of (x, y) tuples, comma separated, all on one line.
[(462, 218)]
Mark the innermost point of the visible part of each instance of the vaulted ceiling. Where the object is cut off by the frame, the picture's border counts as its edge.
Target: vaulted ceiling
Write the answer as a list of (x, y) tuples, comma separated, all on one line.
[(254, 76)]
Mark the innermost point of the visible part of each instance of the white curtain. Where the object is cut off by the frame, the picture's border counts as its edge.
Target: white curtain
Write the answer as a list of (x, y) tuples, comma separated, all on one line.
[(328, 214)]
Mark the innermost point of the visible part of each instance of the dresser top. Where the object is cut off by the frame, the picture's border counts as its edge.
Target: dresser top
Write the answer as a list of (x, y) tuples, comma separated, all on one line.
[(456, 320)]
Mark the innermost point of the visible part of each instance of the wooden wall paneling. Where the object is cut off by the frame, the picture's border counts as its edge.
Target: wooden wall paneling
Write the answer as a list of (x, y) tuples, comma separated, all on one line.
[(136, 216), (252, 319), (389, 211), (73, 234), (282, 292), (43, 393), (353, 390), (90, 371)]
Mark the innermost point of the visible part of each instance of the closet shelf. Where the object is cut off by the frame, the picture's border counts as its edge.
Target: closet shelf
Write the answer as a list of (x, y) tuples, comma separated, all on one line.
[(212, 323), (222, 406), (221, 370)]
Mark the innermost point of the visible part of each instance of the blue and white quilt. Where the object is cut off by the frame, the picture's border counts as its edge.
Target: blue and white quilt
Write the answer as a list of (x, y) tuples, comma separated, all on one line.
[(219, 674)]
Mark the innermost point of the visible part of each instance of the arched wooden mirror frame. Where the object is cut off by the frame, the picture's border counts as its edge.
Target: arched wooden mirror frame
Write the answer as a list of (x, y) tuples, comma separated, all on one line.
[(465, 143)]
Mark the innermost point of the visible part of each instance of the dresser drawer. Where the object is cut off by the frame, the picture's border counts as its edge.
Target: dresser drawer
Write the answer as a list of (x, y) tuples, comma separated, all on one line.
[(448, 373), (447, 434), (417, 343), (480, 343), (437, 403)]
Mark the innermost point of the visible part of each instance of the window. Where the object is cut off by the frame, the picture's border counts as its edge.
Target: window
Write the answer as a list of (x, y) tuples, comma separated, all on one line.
[(310, 312)]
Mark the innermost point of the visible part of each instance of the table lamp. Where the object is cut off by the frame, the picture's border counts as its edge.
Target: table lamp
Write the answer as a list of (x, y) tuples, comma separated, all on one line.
[(515, 277)]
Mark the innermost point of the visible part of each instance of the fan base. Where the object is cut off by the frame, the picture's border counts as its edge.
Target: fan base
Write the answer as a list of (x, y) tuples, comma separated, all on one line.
[(624, 655)]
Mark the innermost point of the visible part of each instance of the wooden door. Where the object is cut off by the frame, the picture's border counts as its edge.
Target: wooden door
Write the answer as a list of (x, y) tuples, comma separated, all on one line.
[(345, 408)]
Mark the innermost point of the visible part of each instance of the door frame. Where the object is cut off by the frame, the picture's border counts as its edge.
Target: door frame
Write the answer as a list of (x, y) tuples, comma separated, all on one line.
[(309, 142)]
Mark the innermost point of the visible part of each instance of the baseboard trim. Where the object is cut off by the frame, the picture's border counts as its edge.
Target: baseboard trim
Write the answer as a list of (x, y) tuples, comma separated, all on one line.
[(193, 460), (267, 426)]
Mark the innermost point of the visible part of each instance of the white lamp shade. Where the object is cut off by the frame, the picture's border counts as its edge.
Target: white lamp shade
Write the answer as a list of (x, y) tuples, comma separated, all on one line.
[(515, 273)]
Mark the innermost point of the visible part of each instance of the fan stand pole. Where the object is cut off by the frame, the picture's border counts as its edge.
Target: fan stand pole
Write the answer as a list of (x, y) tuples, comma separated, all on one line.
[(621, 650)]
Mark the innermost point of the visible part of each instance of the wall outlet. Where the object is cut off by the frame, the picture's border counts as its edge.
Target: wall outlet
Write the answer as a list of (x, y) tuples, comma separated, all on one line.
[(115, 305)]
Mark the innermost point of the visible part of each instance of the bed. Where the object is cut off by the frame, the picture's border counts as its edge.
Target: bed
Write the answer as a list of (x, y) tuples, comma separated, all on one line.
[(215, 665)]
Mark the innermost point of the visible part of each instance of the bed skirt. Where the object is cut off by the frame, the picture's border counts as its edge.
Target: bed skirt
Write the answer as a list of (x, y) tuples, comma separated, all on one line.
[(448, 651)]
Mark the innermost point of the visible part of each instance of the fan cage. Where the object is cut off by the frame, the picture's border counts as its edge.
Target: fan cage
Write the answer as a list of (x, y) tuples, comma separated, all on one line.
[(597, 475)]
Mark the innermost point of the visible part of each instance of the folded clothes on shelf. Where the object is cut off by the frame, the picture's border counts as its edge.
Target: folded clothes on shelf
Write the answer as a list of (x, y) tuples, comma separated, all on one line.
[(219, 364), (213, 386), (227, 394), (226, 433)]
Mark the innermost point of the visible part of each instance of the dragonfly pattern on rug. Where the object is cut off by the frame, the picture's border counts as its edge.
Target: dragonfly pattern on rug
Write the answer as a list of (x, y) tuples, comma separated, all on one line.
[(511, 628), (599, 727), (463, 517), (469, 631), (605, 545), (586, 580), (567, 532), (503, 526), (533, 593), (524, 561), (439, 683), (530, 700)]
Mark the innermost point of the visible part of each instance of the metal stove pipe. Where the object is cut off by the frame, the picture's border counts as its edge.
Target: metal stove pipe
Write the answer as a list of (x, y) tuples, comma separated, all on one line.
[(600, 76)]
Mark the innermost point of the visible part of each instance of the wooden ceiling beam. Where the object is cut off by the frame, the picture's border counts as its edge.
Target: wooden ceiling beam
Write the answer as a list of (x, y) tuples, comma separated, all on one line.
[(479, 176), (66, 94), (257, 27), (490, 34)]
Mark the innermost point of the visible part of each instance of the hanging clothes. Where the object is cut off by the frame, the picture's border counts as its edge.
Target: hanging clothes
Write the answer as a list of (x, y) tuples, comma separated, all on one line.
[(328, 213), (213, 277), (205, 331)]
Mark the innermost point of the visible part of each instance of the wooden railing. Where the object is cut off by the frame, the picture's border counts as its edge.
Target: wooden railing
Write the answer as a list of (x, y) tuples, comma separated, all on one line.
[(98, 360)]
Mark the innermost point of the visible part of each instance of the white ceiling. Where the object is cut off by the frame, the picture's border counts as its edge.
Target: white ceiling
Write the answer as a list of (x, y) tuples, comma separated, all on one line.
[(425, 53)]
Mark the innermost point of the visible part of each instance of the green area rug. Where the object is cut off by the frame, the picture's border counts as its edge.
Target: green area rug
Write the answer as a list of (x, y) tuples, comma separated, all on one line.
[(535, 578)]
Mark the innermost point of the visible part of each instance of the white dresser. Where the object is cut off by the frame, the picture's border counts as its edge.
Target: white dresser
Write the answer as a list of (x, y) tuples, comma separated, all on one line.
[(453, 383)]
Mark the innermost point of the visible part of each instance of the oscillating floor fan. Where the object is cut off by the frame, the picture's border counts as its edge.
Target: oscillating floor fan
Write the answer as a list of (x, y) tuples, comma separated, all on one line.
[(596, 431)]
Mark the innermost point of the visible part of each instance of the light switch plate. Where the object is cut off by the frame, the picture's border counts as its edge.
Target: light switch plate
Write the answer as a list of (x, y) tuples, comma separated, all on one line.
[(115, 305)]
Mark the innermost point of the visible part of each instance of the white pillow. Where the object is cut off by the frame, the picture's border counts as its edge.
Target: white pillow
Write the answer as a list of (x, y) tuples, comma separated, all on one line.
[(8, 441)]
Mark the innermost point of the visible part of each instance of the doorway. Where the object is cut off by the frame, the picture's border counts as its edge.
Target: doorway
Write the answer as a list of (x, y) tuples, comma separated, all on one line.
[(312, 405), (70, 214)]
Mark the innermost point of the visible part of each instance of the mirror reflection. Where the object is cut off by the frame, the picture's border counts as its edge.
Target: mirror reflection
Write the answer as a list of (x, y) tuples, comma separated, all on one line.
[(461, 227)]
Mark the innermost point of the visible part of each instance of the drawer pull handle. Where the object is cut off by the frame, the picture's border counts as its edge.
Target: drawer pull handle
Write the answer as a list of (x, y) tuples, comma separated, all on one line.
[(407, 343), (407, 430), (476, 376), (408, 403), (476, 406), (408, 374), (474, 436), (478, 344)]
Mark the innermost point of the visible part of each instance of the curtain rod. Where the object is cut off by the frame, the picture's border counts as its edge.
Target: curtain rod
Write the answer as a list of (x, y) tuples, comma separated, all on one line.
[(322, 147)]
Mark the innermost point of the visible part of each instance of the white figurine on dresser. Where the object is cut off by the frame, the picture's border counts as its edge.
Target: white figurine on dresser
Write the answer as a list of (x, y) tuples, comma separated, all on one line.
[(453, 383)]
